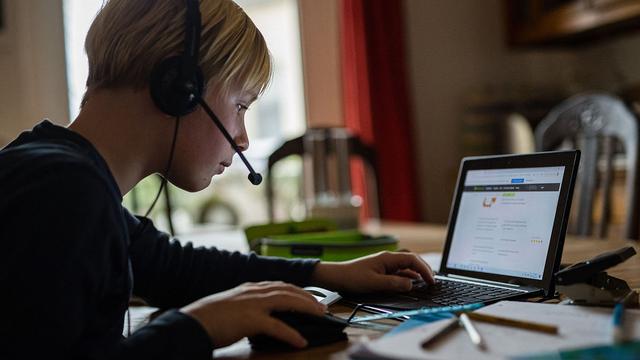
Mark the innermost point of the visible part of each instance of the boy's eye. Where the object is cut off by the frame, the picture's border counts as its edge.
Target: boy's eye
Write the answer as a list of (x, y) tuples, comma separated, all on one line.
[(242, 107)]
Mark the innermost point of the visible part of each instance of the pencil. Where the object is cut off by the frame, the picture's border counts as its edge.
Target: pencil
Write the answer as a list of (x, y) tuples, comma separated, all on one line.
[(545, 328)]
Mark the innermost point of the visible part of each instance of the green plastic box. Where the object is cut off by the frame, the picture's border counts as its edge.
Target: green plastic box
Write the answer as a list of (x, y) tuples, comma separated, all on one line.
[(329, 246), (255, 233), (315, 238)]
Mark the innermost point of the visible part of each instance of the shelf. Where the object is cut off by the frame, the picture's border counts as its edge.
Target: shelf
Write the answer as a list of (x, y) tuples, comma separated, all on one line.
[(549, 22)]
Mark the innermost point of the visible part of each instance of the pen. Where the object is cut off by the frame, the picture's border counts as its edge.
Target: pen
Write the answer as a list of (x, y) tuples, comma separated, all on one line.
[(471, 330), (453, 324), (550, 329), (618, 318)]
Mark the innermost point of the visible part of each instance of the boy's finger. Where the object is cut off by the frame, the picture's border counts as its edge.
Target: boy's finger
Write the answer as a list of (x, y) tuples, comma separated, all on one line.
[(413, 262)]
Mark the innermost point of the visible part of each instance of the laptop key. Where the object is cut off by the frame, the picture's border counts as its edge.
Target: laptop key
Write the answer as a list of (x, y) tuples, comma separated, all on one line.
[(453, 292), (468, 300)]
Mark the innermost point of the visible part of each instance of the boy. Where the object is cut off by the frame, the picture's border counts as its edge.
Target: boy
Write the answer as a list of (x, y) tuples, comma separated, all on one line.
[(73, 255)]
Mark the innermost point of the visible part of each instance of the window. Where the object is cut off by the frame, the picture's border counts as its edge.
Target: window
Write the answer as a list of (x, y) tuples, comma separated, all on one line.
[(78, 15)]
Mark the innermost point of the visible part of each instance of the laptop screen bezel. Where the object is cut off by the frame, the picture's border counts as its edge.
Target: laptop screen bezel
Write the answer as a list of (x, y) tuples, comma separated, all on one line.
[(570, 161)]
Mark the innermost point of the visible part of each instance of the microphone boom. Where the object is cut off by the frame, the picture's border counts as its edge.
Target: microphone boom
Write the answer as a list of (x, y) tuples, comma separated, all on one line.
[(254, 177)]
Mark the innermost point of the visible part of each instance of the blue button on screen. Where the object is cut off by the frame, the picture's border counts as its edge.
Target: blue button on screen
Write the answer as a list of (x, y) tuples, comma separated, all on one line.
[(517, 181)]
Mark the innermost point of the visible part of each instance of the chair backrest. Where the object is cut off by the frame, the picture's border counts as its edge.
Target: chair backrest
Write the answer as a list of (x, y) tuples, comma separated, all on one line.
[(596, 123), (300, 145)]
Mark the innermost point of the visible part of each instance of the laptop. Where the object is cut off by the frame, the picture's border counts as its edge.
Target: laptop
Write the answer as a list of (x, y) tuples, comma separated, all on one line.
[(506, 231)]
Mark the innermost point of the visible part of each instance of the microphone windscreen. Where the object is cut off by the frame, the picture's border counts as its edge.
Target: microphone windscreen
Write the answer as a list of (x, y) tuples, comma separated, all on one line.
[(255, 178)]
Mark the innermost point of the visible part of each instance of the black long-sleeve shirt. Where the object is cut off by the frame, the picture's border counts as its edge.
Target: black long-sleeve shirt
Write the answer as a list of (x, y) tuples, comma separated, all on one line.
[(71, 255)]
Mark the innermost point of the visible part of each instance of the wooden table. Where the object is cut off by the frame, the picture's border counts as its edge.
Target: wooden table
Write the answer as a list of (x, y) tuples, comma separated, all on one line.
[(422, 238)]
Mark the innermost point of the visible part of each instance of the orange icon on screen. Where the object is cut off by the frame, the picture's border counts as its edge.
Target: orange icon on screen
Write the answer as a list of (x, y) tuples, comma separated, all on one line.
[(488, 202)]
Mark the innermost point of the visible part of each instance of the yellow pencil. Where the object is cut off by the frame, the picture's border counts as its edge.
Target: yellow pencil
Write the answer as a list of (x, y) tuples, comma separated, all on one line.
[(550, 329)]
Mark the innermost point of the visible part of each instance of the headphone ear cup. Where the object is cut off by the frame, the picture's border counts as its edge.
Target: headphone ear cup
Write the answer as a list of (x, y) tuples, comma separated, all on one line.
[(168, 93)]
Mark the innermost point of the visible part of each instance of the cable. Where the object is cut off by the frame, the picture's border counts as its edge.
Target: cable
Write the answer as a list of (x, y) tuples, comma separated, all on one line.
[(169, 210), (354, 312), (140, 228), (164, 177), (372, 309)]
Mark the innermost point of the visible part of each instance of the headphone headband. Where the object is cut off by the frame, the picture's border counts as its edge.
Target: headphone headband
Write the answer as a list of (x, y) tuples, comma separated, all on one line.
[(176, 82), (191, 40)]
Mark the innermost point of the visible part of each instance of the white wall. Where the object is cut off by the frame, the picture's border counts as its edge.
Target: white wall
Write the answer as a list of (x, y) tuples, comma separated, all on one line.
[(611, 65), (32, 66)]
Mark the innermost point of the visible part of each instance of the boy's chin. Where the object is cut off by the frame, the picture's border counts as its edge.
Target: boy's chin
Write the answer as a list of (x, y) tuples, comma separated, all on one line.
[(193, 186)]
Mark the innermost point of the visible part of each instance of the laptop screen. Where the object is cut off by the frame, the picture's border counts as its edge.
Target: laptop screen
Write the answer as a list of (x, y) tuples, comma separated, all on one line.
[(505, 221)]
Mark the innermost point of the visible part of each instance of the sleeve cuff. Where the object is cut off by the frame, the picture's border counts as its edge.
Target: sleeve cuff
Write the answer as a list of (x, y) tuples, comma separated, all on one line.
[(187, 335)]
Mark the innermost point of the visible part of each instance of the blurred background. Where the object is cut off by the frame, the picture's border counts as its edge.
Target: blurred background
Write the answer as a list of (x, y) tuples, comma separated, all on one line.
[(420, 82)]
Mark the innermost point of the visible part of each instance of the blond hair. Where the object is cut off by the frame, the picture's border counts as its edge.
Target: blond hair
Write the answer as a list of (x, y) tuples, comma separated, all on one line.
[(129, 37)]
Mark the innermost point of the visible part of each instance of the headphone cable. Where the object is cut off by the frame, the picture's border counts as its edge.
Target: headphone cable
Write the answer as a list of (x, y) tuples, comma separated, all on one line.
[(140, 228), (163, 183)]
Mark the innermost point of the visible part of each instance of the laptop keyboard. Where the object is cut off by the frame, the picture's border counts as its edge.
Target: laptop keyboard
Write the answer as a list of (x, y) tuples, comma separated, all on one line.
[(446, 292)]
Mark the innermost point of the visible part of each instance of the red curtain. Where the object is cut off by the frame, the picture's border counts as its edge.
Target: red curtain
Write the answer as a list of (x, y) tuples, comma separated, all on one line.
[(376, 100)]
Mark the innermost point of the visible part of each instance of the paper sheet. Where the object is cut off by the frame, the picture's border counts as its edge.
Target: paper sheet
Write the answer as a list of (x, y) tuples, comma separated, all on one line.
[(579, 327)]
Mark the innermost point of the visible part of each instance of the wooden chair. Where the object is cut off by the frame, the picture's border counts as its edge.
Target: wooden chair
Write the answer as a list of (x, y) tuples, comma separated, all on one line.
[(597, 124), (297, 147)]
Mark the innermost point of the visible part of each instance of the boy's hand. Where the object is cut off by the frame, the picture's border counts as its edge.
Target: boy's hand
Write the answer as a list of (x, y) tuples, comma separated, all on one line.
[(246, 310), (385, 271)]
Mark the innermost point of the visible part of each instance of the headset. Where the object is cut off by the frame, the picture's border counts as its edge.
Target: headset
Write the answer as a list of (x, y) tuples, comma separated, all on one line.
[(177, 84)]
